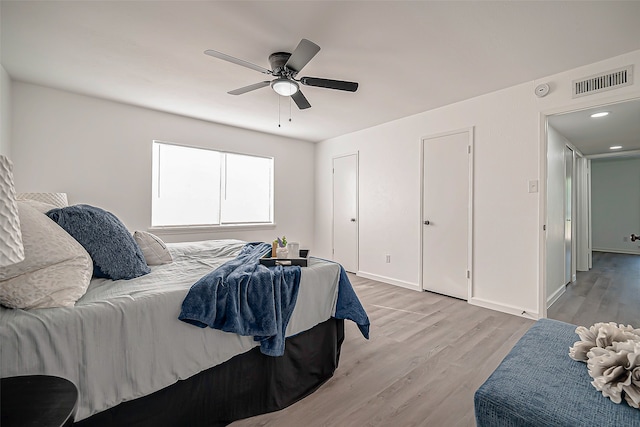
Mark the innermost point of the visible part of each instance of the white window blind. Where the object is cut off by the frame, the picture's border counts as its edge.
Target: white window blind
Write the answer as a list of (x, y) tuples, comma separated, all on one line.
[(200, 187)]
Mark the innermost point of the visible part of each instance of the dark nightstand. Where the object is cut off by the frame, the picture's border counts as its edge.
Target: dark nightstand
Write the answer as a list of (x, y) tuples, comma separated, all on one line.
[(37, 400)]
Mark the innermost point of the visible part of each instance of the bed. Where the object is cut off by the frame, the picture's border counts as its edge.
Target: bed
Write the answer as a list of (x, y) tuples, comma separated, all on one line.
[(135, 363)]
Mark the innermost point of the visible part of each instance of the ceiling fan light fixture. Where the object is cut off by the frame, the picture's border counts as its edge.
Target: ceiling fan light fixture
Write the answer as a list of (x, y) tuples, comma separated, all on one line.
[(284, 86)]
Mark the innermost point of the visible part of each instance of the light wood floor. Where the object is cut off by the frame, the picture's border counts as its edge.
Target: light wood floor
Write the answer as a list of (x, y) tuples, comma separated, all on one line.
[(426, 357), (609, 292)]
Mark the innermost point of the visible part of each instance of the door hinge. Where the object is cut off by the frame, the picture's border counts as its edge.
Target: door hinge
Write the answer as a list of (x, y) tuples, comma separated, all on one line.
[(333, 251), (544, 227), (468, 149), (468, 274)]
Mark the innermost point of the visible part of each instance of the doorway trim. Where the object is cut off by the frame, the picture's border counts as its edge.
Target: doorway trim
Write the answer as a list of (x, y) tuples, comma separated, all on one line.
[(542, 173), (357, 154), (569, 213), (470, 131)]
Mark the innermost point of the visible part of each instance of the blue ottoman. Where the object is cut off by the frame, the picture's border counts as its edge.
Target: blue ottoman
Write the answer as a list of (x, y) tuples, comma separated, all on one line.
[(538, 384)]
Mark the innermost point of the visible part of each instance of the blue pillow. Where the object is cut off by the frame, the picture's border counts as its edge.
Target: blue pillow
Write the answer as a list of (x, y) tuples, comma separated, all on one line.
[(114, 252)]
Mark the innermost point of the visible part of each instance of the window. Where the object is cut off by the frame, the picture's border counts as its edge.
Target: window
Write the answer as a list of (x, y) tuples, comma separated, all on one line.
[(201, 187)]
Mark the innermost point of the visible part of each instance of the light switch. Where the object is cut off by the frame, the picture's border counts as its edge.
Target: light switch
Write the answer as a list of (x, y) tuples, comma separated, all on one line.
[(533, 186)]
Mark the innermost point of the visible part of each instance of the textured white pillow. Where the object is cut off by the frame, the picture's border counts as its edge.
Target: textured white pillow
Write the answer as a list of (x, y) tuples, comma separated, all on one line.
[(59, 200), (55, 272), (153, 248), (41, 207)]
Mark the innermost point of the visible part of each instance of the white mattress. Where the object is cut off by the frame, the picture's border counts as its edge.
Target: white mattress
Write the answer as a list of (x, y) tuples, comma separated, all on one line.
[(123, 338)]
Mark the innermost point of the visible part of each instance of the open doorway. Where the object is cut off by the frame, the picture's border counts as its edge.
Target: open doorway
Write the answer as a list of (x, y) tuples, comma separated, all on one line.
[(601, 192)]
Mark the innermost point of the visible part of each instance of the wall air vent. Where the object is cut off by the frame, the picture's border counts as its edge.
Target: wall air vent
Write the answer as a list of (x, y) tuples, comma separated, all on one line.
[(604, 81)]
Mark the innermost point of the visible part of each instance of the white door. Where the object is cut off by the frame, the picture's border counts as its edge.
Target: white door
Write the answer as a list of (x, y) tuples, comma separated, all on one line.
[(446, 232), (345, 211)]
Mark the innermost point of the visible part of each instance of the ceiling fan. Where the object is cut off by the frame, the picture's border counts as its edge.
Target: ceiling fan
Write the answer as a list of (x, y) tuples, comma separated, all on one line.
[(285, 67)]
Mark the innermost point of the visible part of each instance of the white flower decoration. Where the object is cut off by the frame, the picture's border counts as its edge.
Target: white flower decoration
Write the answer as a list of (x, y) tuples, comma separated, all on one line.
[(600, 335), (612, 354)]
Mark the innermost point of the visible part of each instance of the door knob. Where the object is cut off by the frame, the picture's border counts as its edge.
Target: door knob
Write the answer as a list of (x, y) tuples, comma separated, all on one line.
[(427, 223), (353, 220)]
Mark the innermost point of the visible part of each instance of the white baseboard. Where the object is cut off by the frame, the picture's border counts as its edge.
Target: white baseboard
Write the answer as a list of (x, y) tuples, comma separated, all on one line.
[(505, 308), (557, 294), (616, 251), (389, 280)]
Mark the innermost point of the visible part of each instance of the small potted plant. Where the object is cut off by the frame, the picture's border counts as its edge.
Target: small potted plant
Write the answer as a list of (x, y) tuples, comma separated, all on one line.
[(279, 248)]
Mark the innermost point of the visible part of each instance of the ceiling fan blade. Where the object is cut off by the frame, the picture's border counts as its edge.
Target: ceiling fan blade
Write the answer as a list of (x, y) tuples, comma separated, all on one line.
[(300, 100), (249, 88), (304, 52), (229, 58), (329, 84)]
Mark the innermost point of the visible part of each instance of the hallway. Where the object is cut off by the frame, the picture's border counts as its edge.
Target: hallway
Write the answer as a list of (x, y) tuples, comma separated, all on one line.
[(609, 292)]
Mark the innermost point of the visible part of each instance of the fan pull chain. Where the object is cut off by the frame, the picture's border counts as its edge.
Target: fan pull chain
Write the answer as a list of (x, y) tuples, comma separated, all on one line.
[(280, 110)]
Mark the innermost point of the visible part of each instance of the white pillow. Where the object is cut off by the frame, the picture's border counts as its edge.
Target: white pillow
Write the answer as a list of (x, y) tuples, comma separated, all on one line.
[(153, 248), (41, 207), (56, 270), (59, 200)]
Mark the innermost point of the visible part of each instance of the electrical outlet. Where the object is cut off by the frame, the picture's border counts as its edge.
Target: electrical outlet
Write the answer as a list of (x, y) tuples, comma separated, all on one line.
[(388, 259)]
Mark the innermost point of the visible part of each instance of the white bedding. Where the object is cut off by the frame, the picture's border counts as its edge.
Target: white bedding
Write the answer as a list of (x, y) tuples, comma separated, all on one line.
[(123, 338)]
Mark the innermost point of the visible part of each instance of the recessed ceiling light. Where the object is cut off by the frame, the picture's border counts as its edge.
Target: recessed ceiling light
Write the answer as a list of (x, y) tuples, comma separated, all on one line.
[(600, 114), (615, 147)]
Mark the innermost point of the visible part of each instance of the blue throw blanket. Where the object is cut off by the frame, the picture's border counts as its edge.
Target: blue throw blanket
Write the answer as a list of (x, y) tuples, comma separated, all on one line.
[(244, 297), (348, 305)]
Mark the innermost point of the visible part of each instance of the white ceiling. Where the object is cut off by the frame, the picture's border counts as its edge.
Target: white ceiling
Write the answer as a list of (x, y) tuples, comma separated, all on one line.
[(408, 57), (596, 135)]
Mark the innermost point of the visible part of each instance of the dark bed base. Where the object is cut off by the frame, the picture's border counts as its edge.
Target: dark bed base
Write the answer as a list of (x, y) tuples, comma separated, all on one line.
[(246, 385)]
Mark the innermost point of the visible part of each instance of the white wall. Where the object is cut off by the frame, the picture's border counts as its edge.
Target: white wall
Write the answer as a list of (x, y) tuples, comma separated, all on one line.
[(99, 152), (555, 213), (509, 151), (5, 113), (390, 222), (615, 204)]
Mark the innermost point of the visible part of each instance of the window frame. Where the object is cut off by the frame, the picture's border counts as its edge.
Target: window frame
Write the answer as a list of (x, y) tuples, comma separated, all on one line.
[(199, 228)]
